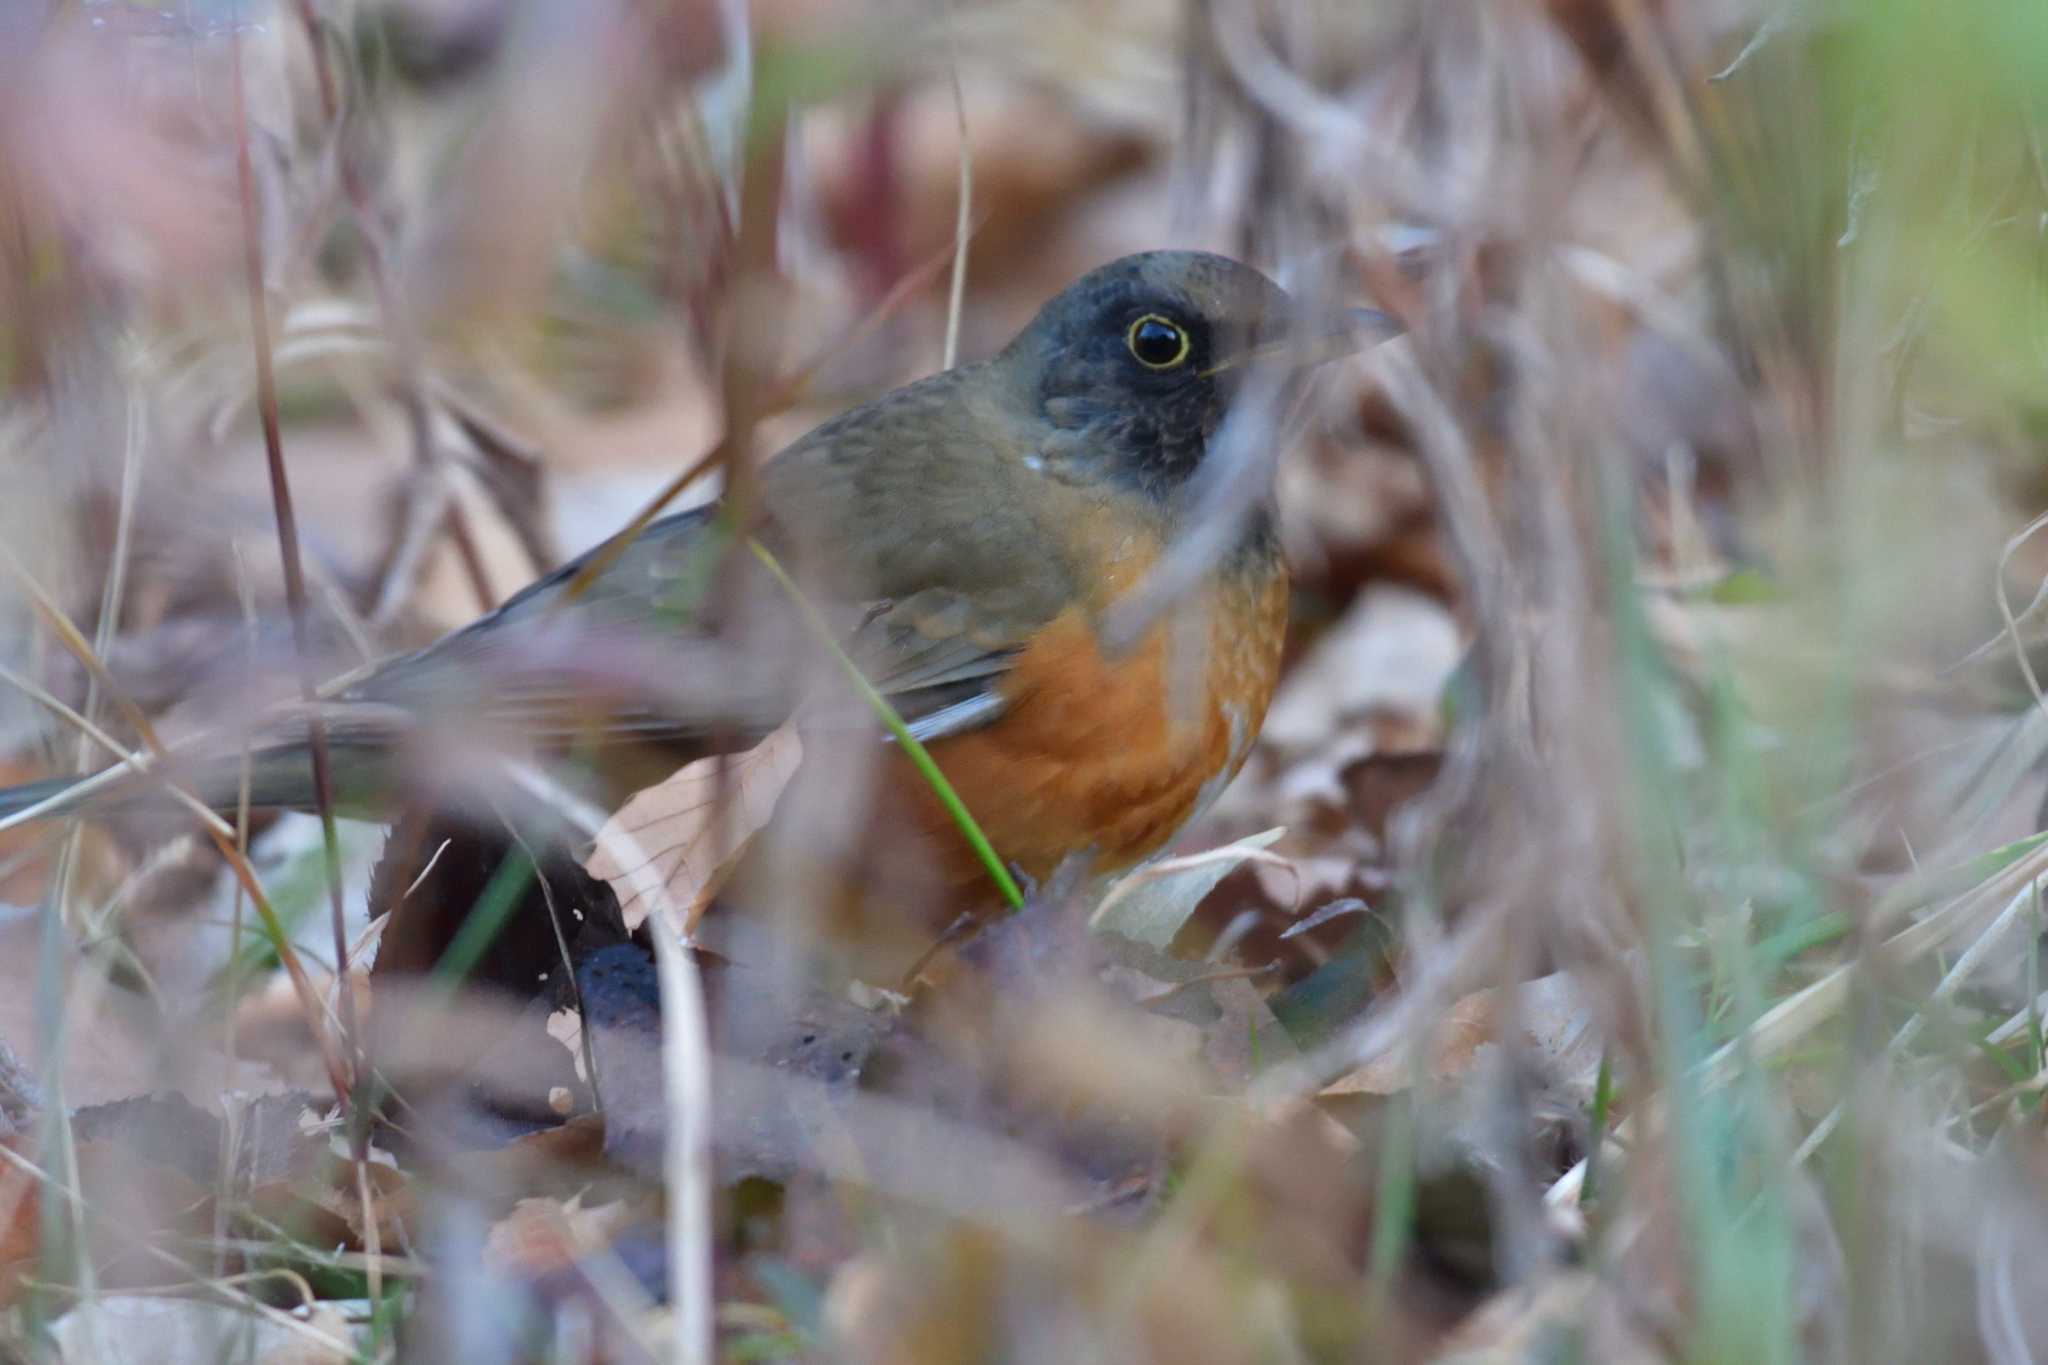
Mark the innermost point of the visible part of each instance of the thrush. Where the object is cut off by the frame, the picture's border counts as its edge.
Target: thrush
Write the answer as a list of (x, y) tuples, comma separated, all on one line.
[(964, 537)]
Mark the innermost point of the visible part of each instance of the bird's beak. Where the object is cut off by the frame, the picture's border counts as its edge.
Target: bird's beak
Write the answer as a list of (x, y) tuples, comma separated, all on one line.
[(1352, 331)]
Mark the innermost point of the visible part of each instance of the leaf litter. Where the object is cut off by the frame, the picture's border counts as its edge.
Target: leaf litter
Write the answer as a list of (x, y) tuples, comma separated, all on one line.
[(1055, 1142), (695, 826)]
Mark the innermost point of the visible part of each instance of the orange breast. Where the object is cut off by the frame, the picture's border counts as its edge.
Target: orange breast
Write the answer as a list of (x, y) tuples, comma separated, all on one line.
[(1112, 756)]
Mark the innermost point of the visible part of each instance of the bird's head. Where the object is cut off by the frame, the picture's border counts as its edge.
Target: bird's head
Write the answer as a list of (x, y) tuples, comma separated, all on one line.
[(1135, 365)]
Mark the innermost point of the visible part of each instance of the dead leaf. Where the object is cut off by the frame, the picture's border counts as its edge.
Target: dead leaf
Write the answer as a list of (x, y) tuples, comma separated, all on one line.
[(1151, 904), (676, 826), (312, 1190), (1390, 655), (566, 1028)]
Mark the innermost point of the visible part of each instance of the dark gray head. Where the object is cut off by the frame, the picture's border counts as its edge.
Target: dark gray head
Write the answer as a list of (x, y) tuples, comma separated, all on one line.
[(1135, 364)]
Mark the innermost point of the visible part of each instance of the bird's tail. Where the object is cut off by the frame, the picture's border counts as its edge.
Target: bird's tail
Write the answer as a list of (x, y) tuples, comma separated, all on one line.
[(32, 800), (279, 776)]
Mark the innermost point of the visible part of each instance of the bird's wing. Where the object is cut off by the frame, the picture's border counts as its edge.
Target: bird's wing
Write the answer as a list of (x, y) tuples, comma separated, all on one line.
[(939, 656), (627, 655), (679, 638), (655, 585)]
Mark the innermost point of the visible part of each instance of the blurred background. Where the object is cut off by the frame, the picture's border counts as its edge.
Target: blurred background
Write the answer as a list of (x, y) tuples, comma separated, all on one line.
[(1646, 966)]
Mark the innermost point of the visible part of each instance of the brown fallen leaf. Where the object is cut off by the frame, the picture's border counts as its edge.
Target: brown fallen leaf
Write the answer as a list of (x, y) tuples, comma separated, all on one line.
[(322, 1205), (676, 826)]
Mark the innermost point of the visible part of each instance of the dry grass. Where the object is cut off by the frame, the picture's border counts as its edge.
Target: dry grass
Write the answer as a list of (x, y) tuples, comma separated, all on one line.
[(1658, 756)]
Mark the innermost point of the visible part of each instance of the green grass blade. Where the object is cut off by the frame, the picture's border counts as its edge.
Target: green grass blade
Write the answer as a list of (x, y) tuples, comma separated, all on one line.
[(920, 758)]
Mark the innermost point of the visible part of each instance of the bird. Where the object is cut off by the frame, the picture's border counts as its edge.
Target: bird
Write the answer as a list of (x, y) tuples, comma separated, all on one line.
[(965, 538)]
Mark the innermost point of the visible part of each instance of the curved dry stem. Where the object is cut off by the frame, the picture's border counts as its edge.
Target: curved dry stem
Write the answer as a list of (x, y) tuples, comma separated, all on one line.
[(685, 1069)]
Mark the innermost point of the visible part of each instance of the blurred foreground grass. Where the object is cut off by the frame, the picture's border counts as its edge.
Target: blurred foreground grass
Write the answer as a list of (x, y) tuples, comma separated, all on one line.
[(1693, 1010)]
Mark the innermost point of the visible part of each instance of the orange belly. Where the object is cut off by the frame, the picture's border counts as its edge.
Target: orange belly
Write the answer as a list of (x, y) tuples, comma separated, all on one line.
[(1110, 758)]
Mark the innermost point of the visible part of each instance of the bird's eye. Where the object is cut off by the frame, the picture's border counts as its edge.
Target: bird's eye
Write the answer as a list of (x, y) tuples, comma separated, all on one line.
[(1157, 343)]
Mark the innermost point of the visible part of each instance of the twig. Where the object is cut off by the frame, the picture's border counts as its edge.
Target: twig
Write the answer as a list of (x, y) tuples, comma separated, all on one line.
[(67, 634), (791, 391), (547, 895), (685, 1071), (1952, 980), (427, 500), (1774, 23), (222, 1287), (956, 296), (740, 393), (124, 757), (117, 573), (231, 1041), (288, 548), (785, 395), (52, 969), (2012, 626), (373, 1249), (398, 328)]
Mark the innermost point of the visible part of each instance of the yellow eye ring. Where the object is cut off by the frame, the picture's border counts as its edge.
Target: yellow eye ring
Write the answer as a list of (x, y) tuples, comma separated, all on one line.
[(1158, 343)]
